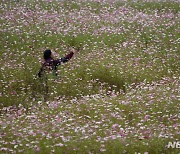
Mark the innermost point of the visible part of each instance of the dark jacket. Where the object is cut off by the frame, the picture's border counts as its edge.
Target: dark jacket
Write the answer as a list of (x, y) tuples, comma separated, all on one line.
[(51, 64)]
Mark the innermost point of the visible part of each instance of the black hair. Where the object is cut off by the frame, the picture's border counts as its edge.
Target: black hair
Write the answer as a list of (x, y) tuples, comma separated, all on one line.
[(47, 54)]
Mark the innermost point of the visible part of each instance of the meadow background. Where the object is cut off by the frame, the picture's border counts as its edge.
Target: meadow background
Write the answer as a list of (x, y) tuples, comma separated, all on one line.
[(118, 94)]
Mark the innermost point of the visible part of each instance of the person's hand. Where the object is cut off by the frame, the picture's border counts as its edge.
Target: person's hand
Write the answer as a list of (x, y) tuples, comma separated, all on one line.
[(72, 50)]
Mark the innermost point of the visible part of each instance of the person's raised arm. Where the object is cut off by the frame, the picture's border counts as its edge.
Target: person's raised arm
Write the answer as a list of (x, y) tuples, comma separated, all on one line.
[(66, 58)]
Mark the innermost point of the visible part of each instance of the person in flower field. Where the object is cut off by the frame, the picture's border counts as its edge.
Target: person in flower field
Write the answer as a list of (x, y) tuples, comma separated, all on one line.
[(51, 64)]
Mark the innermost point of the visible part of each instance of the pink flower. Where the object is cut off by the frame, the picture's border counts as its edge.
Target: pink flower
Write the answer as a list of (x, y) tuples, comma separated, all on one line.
[(56, 135), (113, 137), (115, 126), (146, 117), (13, 93), (37, 149), (32, 133), (121, 133), (53, 105), (19, 112)]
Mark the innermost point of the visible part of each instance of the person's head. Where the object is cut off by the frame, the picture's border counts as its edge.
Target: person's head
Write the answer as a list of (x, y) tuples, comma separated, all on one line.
[(47, 54)]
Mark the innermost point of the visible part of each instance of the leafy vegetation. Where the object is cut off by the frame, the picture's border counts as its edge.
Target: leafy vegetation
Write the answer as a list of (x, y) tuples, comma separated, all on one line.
[(118, 94)]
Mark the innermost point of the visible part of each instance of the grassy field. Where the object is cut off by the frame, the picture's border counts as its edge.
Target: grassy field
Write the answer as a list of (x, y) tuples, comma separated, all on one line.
[(119, 94)]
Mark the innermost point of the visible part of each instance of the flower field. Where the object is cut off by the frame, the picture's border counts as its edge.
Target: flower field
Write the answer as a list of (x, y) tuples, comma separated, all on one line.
[(119, 94)]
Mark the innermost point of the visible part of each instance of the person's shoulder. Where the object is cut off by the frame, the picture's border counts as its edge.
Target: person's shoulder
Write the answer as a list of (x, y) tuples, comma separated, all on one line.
[(50, 60)]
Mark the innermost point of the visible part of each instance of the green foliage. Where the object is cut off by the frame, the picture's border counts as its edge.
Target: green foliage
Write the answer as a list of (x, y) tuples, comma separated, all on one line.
[(158, 6), (148, 7), (125, 73)]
